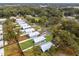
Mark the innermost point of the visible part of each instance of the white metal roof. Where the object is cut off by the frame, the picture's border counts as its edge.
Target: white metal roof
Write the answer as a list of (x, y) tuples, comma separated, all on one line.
[(26, 27), (18, 19), (33, 34), (24, 24), (3, 19), (2, 52), (20, 22), (0, 26), (12, 17), (46, 46), (1, 43), (1, 32), (38, 39), (0, 29), (1, 37), (29, 30)]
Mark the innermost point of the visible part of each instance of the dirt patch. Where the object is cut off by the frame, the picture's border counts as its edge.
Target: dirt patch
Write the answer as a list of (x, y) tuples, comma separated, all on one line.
[(29, 53), (11, 41), (65, 52), (70, 51), (22, 38), (11, 50)]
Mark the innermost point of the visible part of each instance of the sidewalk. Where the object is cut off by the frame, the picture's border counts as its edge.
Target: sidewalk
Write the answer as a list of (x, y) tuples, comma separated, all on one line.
[(24, 40), (27, 48)]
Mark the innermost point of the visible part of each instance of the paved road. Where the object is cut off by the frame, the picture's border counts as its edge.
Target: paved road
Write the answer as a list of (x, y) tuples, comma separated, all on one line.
[(1, 42), (2, 52)]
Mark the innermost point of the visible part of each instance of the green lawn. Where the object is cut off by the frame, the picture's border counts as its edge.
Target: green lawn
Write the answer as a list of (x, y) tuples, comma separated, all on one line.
[(26, 44), (48, 38)]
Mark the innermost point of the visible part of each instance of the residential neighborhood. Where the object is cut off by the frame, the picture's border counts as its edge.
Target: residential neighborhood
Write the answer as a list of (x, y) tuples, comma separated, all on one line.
[(46, 29)]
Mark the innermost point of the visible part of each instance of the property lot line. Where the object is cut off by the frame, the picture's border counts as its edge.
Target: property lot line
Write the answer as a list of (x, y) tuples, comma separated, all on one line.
[(24, 40), (27, 48)]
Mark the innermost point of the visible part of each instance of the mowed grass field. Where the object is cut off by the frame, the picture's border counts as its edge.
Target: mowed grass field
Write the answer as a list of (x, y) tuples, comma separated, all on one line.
[(26, 44)]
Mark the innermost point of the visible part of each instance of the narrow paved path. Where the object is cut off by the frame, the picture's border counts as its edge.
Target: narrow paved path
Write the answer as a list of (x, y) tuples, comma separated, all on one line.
[(24, 40), (27, 48), (1, 42)]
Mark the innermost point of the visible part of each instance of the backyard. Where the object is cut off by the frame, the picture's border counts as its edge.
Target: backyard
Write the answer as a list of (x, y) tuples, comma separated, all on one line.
[(26, 44)]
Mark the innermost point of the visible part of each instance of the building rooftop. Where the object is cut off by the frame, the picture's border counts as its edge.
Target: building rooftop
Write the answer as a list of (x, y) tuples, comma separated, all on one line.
[(2, 52), (0, 26), (34, 34), (20, 21), (1, 43), (38, 39), (2, 20), (29, 30), (1, 32), (1, 37), (46, 46), (25, 25), (0, 29)]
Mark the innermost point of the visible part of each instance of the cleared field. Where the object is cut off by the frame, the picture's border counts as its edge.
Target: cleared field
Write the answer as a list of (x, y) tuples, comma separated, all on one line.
[(21, 38), (12, 50), (26, 44)]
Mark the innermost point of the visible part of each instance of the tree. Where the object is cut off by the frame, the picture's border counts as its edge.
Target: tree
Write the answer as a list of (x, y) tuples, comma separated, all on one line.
[(36, 50), (11, 35)]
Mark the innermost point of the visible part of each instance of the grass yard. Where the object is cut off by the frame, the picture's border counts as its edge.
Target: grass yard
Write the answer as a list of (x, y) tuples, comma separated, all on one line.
[(26, 44), (34, 52), (48, 38), (29, 52)]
